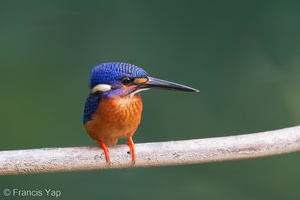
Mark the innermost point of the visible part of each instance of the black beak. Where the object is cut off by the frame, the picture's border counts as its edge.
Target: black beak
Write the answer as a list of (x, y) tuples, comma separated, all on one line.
[(166, 85)]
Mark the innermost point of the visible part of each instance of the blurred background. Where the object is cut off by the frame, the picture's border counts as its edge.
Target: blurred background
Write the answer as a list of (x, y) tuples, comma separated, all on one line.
[(243, 56)]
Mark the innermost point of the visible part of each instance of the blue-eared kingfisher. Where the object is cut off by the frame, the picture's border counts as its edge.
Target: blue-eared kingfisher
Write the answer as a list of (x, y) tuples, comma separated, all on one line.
[(113, 108)]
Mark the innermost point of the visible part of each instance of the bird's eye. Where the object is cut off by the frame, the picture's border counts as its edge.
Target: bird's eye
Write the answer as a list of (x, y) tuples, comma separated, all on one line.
[(127, 81)]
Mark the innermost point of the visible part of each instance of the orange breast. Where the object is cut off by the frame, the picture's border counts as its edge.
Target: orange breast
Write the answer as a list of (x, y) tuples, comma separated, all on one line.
[(115, 118)]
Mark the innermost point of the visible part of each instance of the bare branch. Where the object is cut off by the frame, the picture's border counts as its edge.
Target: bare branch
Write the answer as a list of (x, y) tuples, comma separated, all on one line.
[(152, 154)]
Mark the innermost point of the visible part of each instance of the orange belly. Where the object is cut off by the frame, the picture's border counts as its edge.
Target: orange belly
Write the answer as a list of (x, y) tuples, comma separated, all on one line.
[(115, 118)]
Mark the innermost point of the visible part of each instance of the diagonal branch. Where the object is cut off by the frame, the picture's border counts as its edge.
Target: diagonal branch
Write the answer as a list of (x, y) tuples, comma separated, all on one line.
[(152, 154)]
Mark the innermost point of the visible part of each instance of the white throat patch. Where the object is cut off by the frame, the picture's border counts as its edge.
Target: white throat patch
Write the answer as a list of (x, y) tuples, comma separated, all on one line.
[(139, 90), (101, 88)]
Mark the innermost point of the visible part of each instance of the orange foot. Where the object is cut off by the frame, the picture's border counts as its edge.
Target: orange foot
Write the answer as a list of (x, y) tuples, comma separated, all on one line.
[(132, 151), (105, 149)]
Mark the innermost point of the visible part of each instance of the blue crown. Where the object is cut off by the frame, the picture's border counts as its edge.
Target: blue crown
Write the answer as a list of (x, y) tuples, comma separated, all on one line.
[(109, 73)]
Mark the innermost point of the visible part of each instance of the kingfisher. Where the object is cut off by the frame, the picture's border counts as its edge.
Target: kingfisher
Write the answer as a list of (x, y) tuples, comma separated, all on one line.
[(113, 107)]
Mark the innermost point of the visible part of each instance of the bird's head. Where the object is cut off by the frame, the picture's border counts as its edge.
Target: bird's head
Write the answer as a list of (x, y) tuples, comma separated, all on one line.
[(123, 79)]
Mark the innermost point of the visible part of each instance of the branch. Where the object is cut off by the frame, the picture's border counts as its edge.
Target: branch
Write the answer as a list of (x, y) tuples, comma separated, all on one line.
[(152, 154)]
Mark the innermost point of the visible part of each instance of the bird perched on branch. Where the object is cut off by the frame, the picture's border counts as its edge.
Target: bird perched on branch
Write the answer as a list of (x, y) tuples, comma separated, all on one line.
[(113, 108)]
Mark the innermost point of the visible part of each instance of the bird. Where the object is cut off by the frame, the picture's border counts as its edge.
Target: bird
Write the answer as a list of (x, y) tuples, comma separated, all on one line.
[(114, 106)]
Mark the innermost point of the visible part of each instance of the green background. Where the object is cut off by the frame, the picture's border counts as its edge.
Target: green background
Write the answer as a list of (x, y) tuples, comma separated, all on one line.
[(243, 56)]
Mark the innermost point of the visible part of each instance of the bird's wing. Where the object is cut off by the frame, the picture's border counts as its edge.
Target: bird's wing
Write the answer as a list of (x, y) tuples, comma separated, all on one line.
[(91, 105)]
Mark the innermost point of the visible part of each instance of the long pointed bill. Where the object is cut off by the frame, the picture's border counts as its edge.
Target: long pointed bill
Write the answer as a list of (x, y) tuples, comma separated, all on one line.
[(166, 85)]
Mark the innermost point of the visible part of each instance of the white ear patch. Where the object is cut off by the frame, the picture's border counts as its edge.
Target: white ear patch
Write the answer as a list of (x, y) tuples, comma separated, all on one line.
[(101, 88)]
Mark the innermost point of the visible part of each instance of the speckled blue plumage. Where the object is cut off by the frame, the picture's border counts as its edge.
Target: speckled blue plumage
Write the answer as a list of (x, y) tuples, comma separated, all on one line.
[(91, 105), (108, 73), (112, 73)]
